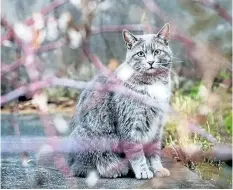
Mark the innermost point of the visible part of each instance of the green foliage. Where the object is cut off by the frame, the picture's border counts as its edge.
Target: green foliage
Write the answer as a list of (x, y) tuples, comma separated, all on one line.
[(228, 123), (202, 24), (192, 91), (225, 75), (186, 102), (61, 94)]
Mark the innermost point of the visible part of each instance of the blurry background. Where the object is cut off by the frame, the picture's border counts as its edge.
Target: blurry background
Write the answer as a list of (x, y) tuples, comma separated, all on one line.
[(201, 42)]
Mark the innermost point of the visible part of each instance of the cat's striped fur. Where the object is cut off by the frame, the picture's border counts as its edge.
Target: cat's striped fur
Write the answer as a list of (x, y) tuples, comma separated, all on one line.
[(136, 127)]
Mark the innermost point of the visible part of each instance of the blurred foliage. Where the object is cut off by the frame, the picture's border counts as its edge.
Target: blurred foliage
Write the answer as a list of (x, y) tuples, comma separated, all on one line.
[(220, 176), (218, 121), (61, 94), (224, 75), (193, 90), (228, 123)]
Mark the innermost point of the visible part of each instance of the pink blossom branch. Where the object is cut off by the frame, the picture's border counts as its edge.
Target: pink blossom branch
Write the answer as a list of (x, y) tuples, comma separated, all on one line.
[(215, 5), (195, 128), (6, 68), (42, 107), (96, 61), (7, 36), (32, 87), (35, 86), (60, 43), (46, 10), (7, 26), (49, 130), (176, 33), (137, 28), (118, 28), (202, 132), (67, 145), (10, 33), (53, 45)]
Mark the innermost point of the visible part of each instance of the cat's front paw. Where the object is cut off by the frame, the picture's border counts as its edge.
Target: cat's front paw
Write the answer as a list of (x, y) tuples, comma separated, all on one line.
[(161, 172), (143, 174)]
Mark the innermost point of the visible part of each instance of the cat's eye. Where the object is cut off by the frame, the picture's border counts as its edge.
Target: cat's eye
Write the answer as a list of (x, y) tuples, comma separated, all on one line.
[(157, 52), (141, 54)]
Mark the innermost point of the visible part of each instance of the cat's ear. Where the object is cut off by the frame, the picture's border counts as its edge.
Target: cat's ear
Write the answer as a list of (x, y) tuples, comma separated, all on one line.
[(129, 38), (164, 33)]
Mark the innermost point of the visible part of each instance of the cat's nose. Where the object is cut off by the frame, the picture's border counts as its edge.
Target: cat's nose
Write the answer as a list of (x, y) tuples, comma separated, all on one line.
[(150, 62)]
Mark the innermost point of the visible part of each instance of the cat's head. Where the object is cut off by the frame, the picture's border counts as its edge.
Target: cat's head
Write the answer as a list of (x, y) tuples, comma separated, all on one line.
[(149, 53)]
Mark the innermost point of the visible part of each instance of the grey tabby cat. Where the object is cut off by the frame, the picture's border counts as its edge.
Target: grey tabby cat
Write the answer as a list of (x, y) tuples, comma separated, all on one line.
[(135, 127)]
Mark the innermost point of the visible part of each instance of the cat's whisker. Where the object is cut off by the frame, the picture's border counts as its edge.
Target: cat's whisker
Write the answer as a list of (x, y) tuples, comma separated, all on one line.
[(175, 58), (176, 61), (173, 72)]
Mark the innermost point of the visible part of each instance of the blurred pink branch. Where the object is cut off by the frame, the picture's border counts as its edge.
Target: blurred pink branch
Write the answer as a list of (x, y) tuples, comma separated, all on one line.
[(46, 10), (96, 61), (215, 5), (61, 42), (138, 28), (118, 28), (32, 87), (188, 43), (40, 101), (66, 145), (202, 132), (50, 131), (6, 68), (35, 86), (10, 34), (53, 45), (176, 33)]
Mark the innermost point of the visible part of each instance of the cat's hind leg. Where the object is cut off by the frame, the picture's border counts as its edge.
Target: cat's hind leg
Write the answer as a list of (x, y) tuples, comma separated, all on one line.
[(111, 165)]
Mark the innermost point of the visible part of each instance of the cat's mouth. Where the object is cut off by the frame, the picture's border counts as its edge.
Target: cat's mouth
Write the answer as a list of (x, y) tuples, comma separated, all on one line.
[(155, 71), (151, 70)]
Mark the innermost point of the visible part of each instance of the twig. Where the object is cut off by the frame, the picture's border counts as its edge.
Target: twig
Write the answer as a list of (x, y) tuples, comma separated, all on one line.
[(154, 8), (53, 45), (46, 10), (96, 61), (118, 28), (215, 5)]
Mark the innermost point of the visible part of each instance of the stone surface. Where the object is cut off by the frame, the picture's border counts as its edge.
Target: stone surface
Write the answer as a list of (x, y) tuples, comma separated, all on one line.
[(14, 175)]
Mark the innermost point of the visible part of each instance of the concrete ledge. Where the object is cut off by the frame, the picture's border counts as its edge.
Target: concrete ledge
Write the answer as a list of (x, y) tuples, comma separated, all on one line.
[(14, 175)]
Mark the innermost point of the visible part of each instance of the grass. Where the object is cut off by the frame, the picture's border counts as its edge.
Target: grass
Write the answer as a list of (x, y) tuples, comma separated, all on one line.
[(216, 121)]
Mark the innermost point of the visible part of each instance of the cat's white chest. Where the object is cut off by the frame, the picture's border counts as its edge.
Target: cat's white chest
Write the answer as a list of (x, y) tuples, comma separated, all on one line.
[(159, 91)]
